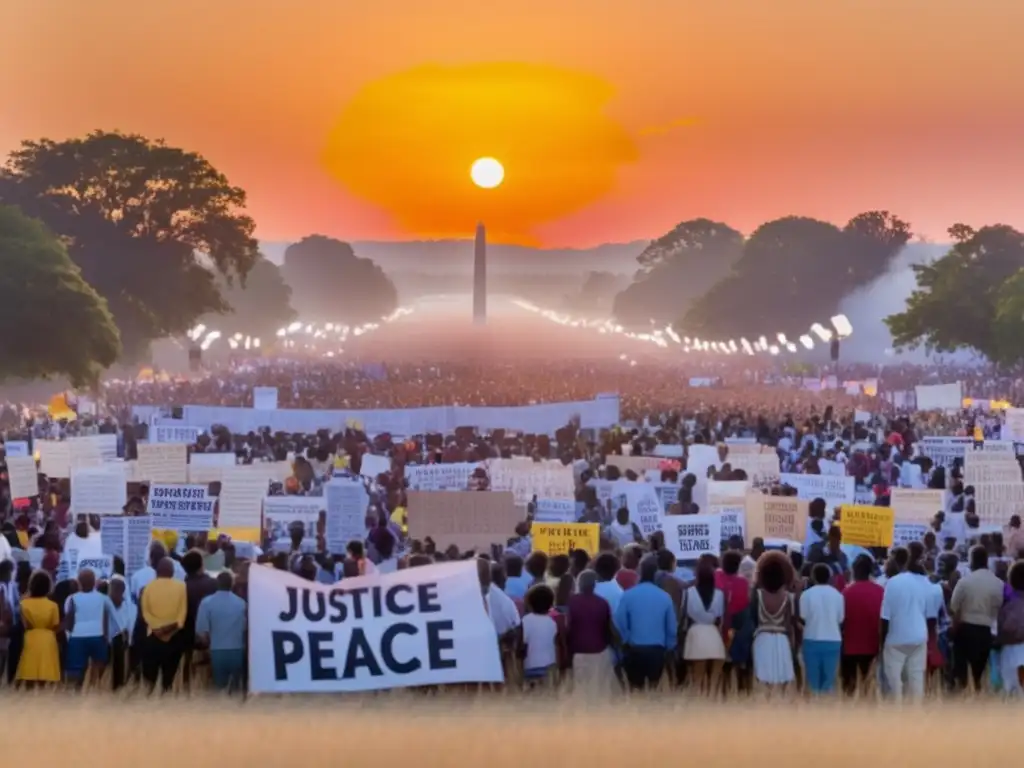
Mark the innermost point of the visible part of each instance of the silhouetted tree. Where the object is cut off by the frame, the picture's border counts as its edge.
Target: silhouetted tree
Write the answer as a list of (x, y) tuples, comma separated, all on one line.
[(331, 284), (794, 272), (676, 269), (259, 307), (149, 225), (596, 294), (971, 298), (54, 323)]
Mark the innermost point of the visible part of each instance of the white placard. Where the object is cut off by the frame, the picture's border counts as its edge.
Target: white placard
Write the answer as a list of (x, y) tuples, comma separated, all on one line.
[(181, 508), (16, 448), (439, 477), (916, 505), (162, 463), (644, 504), (23, 477), (242, 492), (346, 513), (555, 511), (54, 458), (264, 398), (165, 433), (418, 626), (209, 467), (373, 465), (526, 479), (834, 489), (280, 512), (99, 490), (690, 536)]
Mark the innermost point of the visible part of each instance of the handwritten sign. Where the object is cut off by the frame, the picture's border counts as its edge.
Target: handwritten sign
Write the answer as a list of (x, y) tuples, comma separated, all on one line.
[(867, 526), (182, 508), (690, 536), (162, 463), (563, 538), (99, 490), (776, 517)]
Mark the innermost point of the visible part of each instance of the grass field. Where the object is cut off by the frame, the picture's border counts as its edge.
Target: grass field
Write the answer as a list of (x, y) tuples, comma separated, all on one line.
[(498, 732)]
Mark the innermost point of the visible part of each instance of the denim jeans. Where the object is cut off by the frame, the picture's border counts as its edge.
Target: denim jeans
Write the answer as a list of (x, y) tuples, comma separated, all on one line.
[(228, 668), (821, 662)]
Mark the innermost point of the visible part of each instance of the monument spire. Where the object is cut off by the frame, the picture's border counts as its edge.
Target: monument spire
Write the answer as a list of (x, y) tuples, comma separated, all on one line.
[(480, 276)]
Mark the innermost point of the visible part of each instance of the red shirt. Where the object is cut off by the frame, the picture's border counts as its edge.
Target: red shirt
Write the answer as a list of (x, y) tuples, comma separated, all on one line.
[(627, 579), (863, 618)]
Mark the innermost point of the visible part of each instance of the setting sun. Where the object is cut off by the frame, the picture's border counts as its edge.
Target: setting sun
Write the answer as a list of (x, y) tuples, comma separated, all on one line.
[(487, 173)]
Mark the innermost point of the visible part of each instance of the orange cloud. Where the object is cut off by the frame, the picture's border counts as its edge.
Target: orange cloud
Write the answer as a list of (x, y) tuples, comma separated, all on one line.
[(406, 143)]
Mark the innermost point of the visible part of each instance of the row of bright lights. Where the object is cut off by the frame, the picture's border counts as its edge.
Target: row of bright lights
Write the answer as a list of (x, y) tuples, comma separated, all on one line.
[(292, 336), (841, 328)]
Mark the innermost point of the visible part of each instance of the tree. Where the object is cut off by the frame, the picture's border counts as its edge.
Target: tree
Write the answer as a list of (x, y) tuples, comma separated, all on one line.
[(795, 271), (149, 225), (971, 298), (677, 269), (54, 322), (596, 294), (331, 284), (259, 307)]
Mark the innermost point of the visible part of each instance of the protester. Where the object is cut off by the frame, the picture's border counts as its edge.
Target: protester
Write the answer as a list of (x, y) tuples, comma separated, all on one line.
[(40, 659), (164, 609), (862, 615), (703, 609), (647, 626), (908, 614), (974, 608), (221, 625), (822, 613), (590, 639), (774, 621)]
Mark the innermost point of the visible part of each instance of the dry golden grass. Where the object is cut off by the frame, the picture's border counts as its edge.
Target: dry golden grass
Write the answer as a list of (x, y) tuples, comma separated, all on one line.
[(498, 731)]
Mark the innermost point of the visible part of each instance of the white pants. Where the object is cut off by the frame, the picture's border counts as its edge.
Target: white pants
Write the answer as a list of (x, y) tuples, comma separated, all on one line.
[(905, 662)]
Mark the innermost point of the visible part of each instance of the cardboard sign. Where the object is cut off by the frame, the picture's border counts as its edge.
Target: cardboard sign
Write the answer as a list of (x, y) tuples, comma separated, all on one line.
[(867, 526), (563, 538), (468, 519)]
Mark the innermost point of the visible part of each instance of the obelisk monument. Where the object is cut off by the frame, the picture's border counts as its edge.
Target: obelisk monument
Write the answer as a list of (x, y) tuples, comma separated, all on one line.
[(480, 276)]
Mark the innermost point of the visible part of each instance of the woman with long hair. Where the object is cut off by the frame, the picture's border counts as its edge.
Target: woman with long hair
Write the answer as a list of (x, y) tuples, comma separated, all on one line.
[(703, 609)]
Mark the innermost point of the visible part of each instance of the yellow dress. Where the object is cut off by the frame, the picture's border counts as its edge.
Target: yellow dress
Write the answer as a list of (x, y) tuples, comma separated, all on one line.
[(40, 658)]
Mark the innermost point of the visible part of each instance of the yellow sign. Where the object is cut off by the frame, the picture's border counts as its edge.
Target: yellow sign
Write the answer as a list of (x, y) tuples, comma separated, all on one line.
[(562, 538), (867, 526)]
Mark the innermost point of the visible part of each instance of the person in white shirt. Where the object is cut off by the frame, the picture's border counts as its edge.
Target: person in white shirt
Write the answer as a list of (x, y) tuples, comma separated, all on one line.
[(909, 612), (88, 615), (500, 607), (822, 612), (142, 577), (540, 635)]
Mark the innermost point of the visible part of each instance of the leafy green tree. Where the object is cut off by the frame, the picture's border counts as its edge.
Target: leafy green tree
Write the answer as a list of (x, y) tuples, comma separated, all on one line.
[(331, 284), (54, 322), (971, 298), (259, 307), (150, 226), (676, 269), (795, 271)]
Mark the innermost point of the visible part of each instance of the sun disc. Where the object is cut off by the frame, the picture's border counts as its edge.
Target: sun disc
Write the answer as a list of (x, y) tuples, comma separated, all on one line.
[(487, 173)]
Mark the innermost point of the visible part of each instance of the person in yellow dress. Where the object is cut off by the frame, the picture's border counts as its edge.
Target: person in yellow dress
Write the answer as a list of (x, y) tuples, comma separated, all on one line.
[(40, 658)]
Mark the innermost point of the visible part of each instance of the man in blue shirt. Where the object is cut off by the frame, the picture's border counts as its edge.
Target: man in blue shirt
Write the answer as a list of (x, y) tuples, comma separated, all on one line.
[(647, 624), (222, 624)]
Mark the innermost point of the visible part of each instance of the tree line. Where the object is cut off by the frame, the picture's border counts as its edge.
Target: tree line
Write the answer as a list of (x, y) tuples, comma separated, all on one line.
[(111, 241), (710, 282)]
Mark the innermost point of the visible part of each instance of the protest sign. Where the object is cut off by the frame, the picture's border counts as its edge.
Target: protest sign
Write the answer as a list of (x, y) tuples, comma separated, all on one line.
[(867, 526), (526, 479), (470, 520), (127, 538), (22, 476), (242, 491), (643, 503), (99, 490), (762, 468), (54, 458), (209, 467), (554, 511), (280, 513), (916, 505), (264, 398), (174, 434), (16, 448), (345, 513), (905, 533), (945, 450), (562, 538), (418, 626), (181, 508), (371, 465), (439, 477), (834, 489), (690, 536), (162, 463), (668, 493), (775, 517), (727, 499), (102, 566)]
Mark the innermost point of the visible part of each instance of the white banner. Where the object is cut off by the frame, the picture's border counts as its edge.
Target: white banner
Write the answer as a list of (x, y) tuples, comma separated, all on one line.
[(555, 511), (601, 413), (418, 626), (99, 490), (264, 398), (439, 477), (944, 450)]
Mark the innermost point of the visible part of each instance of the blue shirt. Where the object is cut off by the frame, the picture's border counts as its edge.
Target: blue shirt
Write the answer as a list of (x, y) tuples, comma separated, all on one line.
[(516, 586), (222, 616), (645, 616)]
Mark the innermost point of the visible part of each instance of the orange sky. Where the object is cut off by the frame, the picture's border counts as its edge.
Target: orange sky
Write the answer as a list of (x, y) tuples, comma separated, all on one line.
[(822, 108)]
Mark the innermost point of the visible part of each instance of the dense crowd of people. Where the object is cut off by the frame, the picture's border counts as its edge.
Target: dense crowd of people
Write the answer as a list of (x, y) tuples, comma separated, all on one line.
[(823, 617)]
